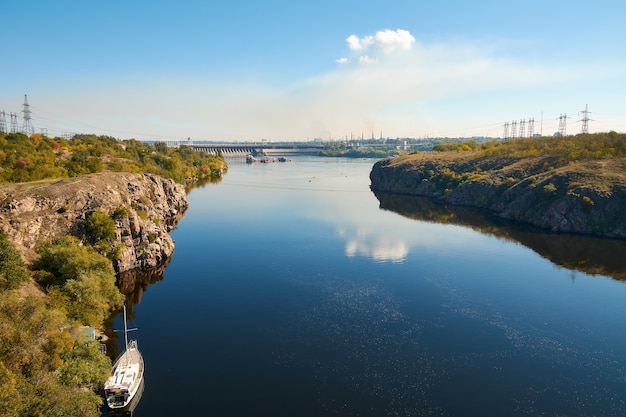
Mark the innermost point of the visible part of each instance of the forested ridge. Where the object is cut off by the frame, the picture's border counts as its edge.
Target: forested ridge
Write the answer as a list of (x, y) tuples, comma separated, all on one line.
[(38, 157), (48, 364)]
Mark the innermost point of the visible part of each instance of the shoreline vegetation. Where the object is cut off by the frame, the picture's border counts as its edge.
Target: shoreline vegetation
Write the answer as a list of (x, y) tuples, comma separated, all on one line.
[(51, 364), (572, 184)]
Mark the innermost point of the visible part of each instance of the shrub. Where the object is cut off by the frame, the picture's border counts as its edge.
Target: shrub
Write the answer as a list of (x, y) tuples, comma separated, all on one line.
[(549, 188), (588, 201), (83, 277), (121, 212), (43, 370), (101, 227), (12, 269), (66, 207)]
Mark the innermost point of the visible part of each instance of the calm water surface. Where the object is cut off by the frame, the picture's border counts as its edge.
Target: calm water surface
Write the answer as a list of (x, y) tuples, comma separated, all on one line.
[(292, 293)]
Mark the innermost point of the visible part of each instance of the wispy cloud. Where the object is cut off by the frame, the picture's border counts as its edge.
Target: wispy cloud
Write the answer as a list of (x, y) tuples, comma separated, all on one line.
[(364, 59), (392, 93), (393, 75)]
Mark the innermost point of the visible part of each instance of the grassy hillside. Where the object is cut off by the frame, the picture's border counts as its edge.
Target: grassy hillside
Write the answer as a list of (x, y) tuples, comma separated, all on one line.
[(510, 162), (570, 184)]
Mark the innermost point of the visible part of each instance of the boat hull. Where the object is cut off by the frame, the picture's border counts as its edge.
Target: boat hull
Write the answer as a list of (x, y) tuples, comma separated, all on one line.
[(126, 378)]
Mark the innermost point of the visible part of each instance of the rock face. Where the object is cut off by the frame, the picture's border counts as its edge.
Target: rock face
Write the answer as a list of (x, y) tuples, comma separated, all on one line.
[(150, 207), (587, 198)]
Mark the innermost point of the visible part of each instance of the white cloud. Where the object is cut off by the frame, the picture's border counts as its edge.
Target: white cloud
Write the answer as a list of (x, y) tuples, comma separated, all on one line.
[(355, 43), (387, 40), (342, 60)]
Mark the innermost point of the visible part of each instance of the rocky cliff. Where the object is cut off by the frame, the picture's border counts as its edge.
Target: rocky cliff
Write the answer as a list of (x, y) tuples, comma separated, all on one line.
[(150, 205), (587, 197)]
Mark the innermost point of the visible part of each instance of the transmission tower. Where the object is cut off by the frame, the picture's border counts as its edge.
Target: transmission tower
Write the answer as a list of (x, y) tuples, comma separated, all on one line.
[(27, 126), (531, 127), (505, 135), (3, 122), (522, 128), (562, 124), (13, 122), (585, 120), (514, 129)]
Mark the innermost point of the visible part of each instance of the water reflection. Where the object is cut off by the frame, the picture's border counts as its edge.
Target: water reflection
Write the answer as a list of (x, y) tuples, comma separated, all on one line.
[(202, 182), (369, 243), (591, 255), (134, 283)]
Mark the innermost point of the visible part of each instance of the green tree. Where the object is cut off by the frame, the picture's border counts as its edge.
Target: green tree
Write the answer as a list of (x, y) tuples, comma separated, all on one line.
[(84, 278), (46, 396), (31, 335), (10, 398), (161, 147), (101, 227), (12, 269), (85, 365)]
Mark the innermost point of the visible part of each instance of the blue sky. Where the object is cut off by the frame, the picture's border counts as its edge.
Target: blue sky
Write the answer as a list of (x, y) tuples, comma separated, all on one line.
[(285, 70)]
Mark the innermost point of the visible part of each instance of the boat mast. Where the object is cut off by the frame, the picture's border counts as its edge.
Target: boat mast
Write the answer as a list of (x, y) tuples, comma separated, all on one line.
[(125, 330)]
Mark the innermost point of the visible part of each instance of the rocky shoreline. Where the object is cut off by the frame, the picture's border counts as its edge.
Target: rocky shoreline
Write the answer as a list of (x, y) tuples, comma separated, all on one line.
[(586, 198), (32, 213)]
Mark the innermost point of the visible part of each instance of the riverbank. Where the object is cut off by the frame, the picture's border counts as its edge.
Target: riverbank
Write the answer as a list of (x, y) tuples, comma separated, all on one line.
[(548, 189), (144, 207)]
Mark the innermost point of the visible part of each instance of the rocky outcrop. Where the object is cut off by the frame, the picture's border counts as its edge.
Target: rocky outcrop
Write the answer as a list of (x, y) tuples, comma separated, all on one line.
[(147, 208), (587, 197)]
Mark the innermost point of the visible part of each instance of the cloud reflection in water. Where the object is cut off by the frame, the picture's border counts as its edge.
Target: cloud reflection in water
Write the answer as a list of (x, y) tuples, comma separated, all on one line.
[(369, 243)]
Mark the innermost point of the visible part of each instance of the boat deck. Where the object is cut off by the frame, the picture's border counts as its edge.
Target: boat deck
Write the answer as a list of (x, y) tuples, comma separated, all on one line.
[(127, 371)]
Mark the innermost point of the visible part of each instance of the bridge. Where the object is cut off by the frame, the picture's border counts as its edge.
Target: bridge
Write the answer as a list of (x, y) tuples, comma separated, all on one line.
[(255, 148)]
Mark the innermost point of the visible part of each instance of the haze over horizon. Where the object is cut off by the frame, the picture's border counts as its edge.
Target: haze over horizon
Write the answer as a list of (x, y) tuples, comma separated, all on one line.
[(242, 71)]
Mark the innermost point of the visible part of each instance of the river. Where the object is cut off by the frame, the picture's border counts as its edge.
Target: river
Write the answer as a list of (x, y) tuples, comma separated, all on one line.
[(295, 291)]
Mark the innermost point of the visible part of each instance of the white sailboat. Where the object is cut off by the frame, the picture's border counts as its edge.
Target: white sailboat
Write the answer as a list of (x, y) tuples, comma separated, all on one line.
[(126, 375)]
